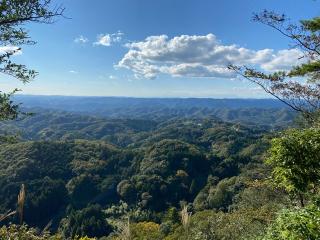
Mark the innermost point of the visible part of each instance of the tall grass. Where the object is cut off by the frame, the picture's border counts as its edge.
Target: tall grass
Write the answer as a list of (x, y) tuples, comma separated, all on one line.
[(6, 215), (185, 220), (123, 232), (21, 201)]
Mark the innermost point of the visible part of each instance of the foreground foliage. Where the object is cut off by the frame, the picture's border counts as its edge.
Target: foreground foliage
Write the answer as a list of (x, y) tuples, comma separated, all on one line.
[(13, 32), (295, 160), (296, 224)]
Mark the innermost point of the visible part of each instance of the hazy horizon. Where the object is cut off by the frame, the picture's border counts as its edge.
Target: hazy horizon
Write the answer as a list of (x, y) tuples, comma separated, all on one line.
[(267, 97)]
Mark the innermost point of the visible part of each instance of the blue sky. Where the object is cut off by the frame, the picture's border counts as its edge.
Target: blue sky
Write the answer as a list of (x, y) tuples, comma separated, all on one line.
[(156, 48)]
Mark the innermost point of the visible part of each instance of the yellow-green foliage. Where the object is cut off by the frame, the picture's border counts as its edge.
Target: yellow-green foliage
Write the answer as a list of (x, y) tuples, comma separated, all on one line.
[(241, 224), (141, 231), (296, 224), (85, 238), (145, 231), (16, 232), (24, 233), (295, 160)]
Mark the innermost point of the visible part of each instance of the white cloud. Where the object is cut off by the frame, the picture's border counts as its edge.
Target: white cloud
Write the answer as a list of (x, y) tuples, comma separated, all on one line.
[(283, 60), (108, 39), (198, 56), (10, 49), (81, 39), (73, 72), (104, 40)]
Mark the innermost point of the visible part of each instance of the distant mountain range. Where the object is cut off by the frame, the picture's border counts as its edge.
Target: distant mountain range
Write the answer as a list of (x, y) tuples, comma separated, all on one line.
[(91, 104), (257, 112)]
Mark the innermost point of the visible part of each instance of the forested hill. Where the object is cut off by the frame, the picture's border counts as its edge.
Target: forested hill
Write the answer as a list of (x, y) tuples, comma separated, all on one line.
[(47, 124), (90, 163), (203, 162), (121, 132)]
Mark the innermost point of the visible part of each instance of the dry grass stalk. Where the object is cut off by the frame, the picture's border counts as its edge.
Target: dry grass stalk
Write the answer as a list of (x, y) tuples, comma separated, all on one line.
[(185, 219), (123, 232), (21, 201), (46, 228), (6, 215)]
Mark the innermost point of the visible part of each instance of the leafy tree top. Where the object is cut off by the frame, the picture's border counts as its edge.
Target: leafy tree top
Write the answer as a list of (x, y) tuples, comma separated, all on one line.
[(14, 14), (296, 161)]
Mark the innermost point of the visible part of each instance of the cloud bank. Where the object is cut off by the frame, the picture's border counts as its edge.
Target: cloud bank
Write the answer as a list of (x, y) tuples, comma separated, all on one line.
[(199, 56)]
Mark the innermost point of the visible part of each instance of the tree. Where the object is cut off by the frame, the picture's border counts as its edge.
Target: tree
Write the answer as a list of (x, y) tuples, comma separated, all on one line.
[(301, 96), (126, 191), (46, 197), (89, 221), (295, 224), (145, 231), (82, 189), (295, 160), (13, 15), (294, 157)]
